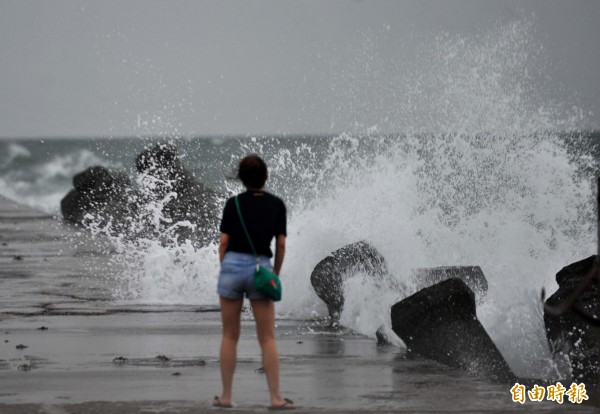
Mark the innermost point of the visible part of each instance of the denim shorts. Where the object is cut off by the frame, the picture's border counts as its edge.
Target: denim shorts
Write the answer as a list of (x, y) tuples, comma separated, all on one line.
[(237, 276)]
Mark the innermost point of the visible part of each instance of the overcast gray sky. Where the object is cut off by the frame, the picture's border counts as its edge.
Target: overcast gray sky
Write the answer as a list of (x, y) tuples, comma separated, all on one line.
[(137, 67)]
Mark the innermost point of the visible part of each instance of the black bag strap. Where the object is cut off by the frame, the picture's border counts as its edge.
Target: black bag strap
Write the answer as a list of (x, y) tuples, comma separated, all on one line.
[(237, 205)]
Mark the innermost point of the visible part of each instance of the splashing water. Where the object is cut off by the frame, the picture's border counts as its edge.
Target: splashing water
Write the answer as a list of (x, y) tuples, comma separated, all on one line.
[(480, 175), (488, 183)]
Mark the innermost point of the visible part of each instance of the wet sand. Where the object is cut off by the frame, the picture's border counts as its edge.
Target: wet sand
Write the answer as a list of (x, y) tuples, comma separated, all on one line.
[(53, 277)]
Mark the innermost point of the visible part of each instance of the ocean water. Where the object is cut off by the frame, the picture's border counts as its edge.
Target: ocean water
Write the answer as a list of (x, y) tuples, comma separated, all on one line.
[(486, 171)]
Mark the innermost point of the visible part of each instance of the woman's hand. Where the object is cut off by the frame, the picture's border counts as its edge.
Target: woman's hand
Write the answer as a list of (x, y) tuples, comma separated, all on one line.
[(223, 243), (279, 253)]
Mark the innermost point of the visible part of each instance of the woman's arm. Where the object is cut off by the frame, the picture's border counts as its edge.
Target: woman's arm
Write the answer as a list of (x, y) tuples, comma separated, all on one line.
[(223, 243), (279, 253)]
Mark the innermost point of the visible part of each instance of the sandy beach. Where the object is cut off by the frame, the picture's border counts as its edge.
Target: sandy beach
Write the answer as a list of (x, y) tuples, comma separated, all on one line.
[(54, 303)]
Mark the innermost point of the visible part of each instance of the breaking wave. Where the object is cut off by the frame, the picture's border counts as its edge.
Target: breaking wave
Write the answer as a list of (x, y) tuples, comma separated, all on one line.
[(479, 172)]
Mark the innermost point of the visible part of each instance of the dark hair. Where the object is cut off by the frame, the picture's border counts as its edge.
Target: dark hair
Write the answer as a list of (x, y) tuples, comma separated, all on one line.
[(252, 170)]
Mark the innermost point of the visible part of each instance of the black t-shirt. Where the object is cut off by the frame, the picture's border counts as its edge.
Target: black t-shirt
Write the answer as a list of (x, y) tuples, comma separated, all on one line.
[(265, 217)]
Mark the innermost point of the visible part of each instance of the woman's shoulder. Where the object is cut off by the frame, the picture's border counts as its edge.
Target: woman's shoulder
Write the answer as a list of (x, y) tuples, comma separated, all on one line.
[(274, 197), (230, 202)]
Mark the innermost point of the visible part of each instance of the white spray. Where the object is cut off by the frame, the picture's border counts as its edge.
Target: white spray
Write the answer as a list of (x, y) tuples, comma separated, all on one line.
[(477, 176)]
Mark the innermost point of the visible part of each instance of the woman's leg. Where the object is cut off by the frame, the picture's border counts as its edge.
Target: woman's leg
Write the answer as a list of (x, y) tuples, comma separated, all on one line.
[(264, 314), (230, 315)]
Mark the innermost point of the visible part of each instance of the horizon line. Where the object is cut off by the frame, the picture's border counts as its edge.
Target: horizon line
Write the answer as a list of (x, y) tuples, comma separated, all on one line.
[(234, 136)]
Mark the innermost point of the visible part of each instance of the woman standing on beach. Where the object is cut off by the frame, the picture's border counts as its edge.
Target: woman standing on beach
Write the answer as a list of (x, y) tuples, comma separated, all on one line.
[(265, 218)]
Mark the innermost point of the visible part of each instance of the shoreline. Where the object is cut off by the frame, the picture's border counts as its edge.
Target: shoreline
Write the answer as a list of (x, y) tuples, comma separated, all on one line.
[(69, 368)]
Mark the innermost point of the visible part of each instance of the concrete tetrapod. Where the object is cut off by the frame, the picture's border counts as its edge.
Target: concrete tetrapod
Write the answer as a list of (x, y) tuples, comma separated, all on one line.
[(440, 323), (328, 276), (471, 275), (569, 332)]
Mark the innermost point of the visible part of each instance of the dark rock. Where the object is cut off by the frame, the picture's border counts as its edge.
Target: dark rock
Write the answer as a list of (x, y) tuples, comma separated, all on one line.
[(163, 358), (42, 328), (160, 160), (386, 336), (194, 201), (471, 275), (99, 182), (18, 257), (176, 374), (73, 207), (21, 346), (381, 335), (100, 193), (440, 323), (329, 274), (568, 332), (101, 197)]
